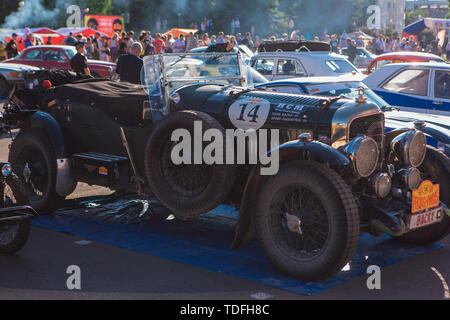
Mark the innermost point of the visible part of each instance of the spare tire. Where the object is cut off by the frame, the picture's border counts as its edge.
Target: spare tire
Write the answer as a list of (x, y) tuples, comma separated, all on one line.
[(187, 189)]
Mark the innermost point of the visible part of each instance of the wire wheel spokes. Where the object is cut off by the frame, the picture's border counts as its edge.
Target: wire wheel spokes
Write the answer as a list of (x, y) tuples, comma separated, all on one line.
[(299, 221), (186, 179)]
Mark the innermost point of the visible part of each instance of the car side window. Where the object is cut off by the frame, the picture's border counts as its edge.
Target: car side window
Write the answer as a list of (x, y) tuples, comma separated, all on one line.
[(290, 67), (286, 89), (411, 81), (33, 55), (53, 55), (264, 66), (442, 84)]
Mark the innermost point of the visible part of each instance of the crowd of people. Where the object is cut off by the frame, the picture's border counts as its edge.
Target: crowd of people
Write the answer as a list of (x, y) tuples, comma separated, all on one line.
[(109, 49)]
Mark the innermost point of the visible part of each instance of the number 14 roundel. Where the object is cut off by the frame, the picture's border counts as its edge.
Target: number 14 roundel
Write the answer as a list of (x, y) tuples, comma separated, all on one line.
[(249, 113)]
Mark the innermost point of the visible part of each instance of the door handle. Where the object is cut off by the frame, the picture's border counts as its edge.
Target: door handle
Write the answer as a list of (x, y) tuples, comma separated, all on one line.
[(437, 103)]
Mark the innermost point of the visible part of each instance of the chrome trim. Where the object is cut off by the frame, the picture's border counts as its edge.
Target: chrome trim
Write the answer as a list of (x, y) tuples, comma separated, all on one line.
[(352, 148), (65, 179), (406, 177), (376, 184), (344, 116), (401, 144)]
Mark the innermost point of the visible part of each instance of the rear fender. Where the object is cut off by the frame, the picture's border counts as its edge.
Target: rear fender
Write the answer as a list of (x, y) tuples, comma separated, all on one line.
[(65, 179)]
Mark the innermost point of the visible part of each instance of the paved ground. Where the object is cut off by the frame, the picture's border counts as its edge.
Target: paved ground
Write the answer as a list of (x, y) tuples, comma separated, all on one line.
[(39, 272)]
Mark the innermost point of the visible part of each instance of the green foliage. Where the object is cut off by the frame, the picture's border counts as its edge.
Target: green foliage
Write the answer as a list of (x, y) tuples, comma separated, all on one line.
[(412, 15), (269, 17)]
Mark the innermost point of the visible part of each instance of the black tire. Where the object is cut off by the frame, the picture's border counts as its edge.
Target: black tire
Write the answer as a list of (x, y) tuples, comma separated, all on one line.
[(187, 189), (4, 87), (436, 167), (326, 208), (32, 147), (13, 236)]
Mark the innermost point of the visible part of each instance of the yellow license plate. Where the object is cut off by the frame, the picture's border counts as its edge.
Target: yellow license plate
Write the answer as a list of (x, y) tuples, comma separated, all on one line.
[(425, 197)]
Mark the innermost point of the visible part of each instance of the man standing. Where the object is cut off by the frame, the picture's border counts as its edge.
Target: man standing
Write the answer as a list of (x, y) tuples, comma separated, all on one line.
[(179, 45), (70, 40), (334, 43), (78, 63), (351, 50), (191, 42), (158, 43), (11, 47), (129, 65)]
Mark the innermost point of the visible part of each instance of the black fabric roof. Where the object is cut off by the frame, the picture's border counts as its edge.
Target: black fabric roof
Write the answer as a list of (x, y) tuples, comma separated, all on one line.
[(122, 101)]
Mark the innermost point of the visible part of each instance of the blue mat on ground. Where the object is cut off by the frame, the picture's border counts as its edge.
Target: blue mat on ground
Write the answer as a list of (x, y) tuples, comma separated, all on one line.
[(145, 226)]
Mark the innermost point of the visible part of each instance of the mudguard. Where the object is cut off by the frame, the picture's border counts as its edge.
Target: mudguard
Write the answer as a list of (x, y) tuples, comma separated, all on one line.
[(45, 121), (245, 229), (65, 179), (436, 134), (320, 150)]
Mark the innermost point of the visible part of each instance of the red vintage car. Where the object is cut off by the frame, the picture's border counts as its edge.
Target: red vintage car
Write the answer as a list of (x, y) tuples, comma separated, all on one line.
[(399, 57), (58, 57)]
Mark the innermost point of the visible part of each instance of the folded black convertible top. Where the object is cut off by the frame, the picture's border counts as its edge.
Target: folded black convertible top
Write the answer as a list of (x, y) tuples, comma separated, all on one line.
[(122, 101)]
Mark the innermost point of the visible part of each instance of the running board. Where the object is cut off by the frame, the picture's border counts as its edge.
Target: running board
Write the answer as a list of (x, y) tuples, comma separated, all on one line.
[(102, 169)]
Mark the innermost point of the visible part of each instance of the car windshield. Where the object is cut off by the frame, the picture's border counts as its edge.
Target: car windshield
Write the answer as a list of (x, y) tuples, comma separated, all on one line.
[(340, 66), (347, 89), (181, 69), (70, 52)]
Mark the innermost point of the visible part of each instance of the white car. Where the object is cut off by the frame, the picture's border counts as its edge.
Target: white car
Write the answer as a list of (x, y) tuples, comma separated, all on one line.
[(11, 73), (303, 62), (420, 87)]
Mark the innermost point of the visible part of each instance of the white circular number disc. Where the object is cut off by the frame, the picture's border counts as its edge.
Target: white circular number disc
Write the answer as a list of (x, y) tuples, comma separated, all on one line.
[(249, 113)]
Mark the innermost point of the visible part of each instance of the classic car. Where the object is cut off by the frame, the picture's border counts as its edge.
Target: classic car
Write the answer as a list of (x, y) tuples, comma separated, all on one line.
[(349, 87), (336, 173), (58, 57), (279, 60), (10, 74), (399, 57), (363, 57), (420, 87)]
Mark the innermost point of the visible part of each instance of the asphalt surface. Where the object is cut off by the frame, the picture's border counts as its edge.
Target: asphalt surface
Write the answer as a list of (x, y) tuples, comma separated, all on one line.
[(38, 271)]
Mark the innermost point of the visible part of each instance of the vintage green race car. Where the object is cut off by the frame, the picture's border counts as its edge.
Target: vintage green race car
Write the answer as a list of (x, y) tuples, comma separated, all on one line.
[(307, 173)]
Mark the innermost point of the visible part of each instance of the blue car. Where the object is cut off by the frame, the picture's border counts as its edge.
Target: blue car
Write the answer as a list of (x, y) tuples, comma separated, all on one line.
[(436, 127), (420, 87)]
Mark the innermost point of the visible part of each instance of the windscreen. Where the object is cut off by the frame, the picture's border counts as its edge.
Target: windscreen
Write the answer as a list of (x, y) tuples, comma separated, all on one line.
[(182, 69)]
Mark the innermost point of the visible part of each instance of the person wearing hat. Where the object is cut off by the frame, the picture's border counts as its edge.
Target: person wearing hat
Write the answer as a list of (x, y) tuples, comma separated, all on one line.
[(78, 63), (11, 47)]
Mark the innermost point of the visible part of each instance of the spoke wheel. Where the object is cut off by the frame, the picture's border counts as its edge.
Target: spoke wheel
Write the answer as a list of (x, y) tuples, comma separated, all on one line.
[(299, 221), (13, 235), (306, 220)]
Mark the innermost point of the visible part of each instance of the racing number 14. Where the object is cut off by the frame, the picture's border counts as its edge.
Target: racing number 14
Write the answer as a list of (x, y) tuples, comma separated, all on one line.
[(253, 113)]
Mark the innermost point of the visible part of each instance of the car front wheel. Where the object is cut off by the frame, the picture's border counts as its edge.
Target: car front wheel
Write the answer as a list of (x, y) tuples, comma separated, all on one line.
[(307, 221)]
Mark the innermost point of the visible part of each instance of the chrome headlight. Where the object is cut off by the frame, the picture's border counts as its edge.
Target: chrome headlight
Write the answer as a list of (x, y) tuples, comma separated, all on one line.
[(411, 177), (382, 185), (363, 153), (410, 147), (6, 169)]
